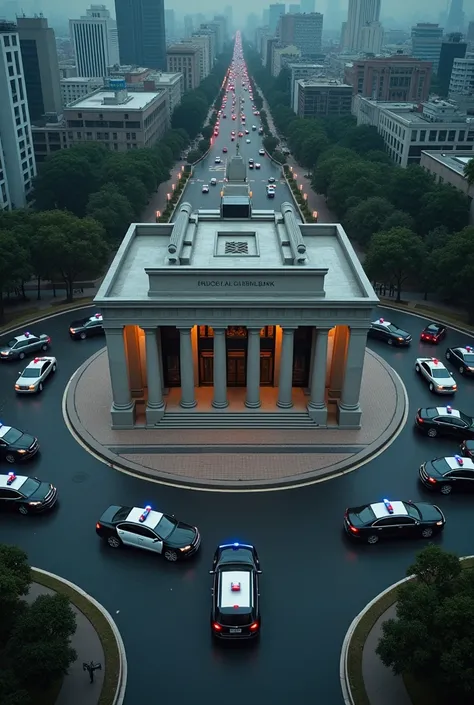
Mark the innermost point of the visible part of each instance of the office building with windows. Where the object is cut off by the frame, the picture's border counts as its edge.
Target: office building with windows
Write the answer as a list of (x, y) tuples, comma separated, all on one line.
[(359, 14), (426, 40), (448, 168), (141, 33), (302, 31), (322, 97), (395, 78), (236, 312), (452, 48), (184, 58), (461, 85), (17, 161), (276, 11), (95, 40)]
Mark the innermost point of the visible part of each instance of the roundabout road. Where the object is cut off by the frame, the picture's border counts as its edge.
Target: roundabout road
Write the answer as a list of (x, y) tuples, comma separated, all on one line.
[(314, 581)]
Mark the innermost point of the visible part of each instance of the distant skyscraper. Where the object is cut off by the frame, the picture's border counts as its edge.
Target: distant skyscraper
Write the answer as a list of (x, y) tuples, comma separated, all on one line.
[(188, 25), (266, 17), (307, 6), (276, 11), (452, 48), (293, 8), (360, 13), (170, 24), (94, 37), (455, 21), (141, 33), (40, 65), (426, 40)]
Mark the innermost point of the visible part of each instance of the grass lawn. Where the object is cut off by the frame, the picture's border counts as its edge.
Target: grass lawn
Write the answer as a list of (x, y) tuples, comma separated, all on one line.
[(420, 693), (109, 644), (29, 314)]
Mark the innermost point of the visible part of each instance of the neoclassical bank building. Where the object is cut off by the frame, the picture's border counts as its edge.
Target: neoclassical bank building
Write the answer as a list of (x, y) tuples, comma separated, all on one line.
[(236, 317)]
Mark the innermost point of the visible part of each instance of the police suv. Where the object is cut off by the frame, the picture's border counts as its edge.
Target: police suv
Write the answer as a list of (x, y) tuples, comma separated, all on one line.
[(235, 612), (439, 379), (31, 379)]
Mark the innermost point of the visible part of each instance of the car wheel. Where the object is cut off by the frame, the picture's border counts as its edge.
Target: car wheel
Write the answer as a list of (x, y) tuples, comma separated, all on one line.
[(448, 356), (22, 509), (431, 386), (10, 458), (446, 489), (44, 347), (432, 433), (40, 387), (82, 335), (53, 369), (417, 369), (21, 356), (427, 533), (461, 370), (373, 538), (114, 542), (389, 341), (171, 555)]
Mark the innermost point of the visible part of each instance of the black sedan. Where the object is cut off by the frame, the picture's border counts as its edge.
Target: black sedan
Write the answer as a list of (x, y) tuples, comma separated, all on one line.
[(467, 449), (87, 327), (462, 359), (16, 445), (446, 474), (389, 333), (26, 494), (145, 528), (444, 421), (235, 611), (393, 520), (433, 333)]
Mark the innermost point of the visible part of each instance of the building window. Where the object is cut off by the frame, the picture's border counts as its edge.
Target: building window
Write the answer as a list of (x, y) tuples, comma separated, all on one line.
[(432, 136), (14, 41), (17, 63), (414, 135), (451, 135), (462, 134), (11, 71), (114, 135), (6, 41), (442, 135)]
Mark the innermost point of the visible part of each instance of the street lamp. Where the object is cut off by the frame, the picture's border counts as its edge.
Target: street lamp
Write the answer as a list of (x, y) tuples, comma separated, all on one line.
[(168, 196)]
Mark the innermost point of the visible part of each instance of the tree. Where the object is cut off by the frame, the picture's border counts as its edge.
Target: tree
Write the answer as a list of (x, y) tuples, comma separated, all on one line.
[(432, 636), (394, 255), (15, 581), (39, 648), (330, 161), (452, 269), (312, 149), (407, 187), (443, 205), (363, 139), (112, 210), (203, 146), (77, 246), (469, 172), (14, 264), (193, 156), (270, 143), (11, 693), (190, 114), (367, 218), (279, 156), (207, 132), (398, 219), (354, 179)]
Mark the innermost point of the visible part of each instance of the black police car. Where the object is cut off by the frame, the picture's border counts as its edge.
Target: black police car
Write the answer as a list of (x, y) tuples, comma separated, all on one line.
[(467, 449), (444, 421), (433, 333), (462, 359), (446, 474), (16, 445), (142, 527), (87, 327), (26, 494), (393, 520), (235, 612), (389, 333)]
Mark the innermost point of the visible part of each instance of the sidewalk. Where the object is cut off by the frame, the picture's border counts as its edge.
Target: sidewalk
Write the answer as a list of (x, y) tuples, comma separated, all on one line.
[(76, 688)]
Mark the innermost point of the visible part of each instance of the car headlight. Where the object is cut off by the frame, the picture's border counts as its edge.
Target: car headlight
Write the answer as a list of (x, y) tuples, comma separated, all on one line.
[(32, 386), (186, 548), (17, 386), (21, 452), (34, 504)]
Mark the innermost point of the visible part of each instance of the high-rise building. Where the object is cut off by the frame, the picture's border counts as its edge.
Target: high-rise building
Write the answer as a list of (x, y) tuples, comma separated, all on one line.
[(394, 79), (204, 43), (307, 6), (229, 16), (141, 32), (302, 31), (184, 58), (462, 78), (276, 11), (266, 17), (360, 13), (371, 38), (456, 17), (188, 25), (293, 8), (170, 24), (17, 161), (426, 39), (40, 66), (94, 37), (470, 32), (452, 48)]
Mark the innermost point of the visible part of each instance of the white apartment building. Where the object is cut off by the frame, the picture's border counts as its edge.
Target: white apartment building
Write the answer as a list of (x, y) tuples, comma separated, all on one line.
[(184, 58), (282, 57), (372, 35), (204, 44), (461, 86), (17, 161), (408, 129), (78, 87), (359, 14), (302, 70), (95, 41)]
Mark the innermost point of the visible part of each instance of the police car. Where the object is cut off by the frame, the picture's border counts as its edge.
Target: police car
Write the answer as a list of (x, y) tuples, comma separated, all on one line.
[(235, 611), (446, 474), (26, 494), (462, 358), (439, 379), (22, 345), (145, 528), (87, 327), (33, 376), (382, 329), (16, 445), (444, 421), (390, 519)]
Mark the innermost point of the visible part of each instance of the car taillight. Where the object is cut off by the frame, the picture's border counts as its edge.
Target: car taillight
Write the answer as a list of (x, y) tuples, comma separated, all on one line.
[(49, 340), (216, 627), (419, 419), (254, 626), (353, 529), (432, 480), (98, 526)]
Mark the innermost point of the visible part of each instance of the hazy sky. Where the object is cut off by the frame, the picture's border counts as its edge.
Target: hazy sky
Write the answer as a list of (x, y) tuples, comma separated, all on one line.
[(399, 10)]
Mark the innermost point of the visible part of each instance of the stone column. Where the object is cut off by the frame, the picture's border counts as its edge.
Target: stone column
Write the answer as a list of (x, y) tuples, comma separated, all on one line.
[(285, 383), (186, 367), (220, 369), (155, 407), (317, 408), (252, 400), (349, 412), (123, 406), (134, 361)]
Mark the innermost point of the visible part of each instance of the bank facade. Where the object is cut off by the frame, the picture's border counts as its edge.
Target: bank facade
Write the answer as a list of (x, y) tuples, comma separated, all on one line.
[(216, 316)]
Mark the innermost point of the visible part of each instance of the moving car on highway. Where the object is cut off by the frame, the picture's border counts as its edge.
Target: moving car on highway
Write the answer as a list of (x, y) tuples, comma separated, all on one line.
[(433, 333)]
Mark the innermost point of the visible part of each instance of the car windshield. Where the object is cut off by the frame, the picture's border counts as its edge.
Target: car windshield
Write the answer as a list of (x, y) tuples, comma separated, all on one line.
[(166, 526), (31, 372), (29, 487), (467, 419), (469, 358), (432, 328), (439, 374), (413, 511), (394, 329), (12, 436), (366, 515), (11, 343)]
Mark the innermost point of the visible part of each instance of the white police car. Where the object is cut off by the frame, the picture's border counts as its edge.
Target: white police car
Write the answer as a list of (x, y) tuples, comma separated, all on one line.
[(32, 378), (439, 379)]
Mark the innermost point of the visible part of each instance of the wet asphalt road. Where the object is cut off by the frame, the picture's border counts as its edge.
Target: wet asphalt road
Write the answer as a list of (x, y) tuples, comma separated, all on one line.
[(314, 581)]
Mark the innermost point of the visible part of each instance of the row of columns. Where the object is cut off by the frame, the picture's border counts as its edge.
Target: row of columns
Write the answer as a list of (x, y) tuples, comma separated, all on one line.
[(123, 404)]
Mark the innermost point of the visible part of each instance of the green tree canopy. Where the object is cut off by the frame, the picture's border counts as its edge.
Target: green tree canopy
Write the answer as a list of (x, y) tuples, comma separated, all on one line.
[(443, 205), (408, 186), (469, 172), (367, 218), (394, 255), (354, 179), (452, 268), (112, 210), (362, 139), (190, 114), (327, 166), (15, 581), (14, 263)]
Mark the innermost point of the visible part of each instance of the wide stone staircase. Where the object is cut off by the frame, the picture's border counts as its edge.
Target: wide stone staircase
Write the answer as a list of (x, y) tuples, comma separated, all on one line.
[(228, 419)]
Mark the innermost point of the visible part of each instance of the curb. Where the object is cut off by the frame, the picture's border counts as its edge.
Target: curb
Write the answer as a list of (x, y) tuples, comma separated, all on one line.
[(200, 158), (123, 670), (10, 328), (343, 663), (114, 461), (429, 315)]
